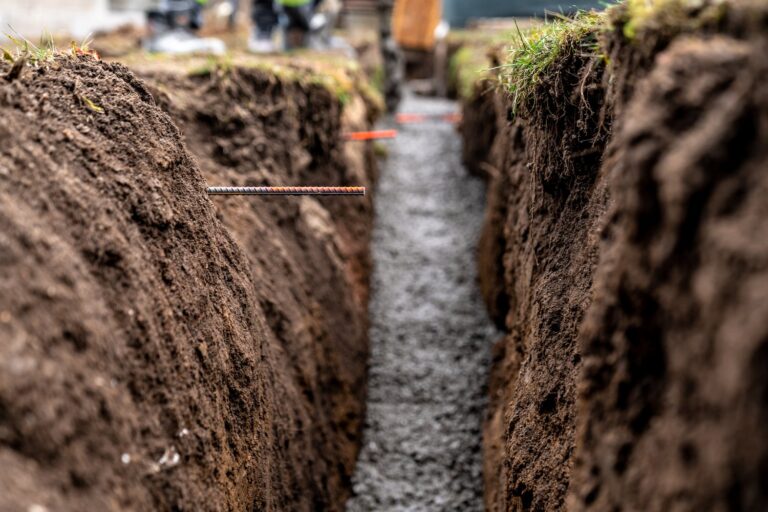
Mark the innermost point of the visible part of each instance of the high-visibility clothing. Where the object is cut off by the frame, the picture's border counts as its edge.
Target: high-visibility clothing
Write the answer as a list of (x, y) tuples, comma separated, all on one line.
[(294, 3)]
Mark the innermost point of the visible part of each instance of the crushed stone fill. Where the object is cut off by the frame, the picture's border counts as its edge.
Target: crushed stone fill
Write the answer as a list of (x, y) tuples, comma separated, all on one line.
[(430, 334)]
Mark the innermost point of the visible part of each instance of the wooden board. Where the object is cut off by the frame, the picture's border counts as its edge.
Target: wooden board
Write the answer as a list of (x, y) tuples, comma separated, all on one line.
[(414, 23)]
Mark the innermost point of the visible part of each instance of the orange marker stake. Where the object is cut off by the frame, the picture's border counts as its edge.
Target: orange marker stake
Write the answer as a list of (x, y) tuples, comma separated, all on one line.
[(423, 118), (452, 118), (374, 135), (410, 118)]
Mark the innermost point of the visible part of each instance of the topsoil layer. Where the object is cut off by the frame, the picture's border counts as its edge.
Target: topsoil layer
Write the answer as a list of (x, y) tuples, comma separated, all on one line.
[(626, 253), (161, 351)]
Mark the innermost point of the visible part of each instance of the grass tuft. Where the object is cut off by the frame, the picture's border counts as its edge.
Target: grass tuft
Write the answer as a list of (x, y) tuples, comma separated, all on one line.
[(340, 77), (22, 49), (35, 54), (83, 48), (534, 52), (466, 68), (671, 16), (380, 150)]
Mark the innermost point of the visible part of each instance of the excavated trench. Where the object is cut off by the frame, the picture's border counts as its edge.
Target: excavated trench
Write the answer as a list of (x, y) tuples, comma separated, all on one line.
[(430, 334), (625, 255), (162, 351)]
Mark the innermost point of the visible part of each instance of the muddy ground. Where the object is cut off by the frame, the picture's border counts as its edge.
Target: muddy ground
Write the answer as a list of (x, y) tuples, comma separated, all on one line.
[(430, 337), (161, 350), (624, 253)]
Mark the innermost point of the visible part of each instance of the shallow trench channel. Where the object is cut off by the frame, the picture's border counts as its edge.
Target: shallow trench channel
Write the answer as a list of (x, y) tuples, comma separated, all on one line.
[(430, 334)]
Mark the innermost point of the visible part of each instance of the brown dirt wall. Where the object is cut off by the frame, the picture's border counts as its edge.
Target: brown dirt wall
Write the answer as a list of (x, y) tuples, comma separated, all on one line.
[(161, 350), (248, 128), (479, 115), (624, 251)]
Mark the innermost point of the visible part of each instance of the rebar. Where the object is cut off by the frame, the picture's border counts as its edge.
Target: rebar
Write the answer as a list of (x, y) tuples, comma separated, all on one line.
[(286, 191)]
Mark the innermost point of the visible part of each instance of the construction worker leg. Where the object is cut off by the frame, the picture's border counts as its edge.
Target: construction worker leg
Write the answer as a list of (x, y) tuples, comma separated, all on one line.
[(160, 18), (172, 25), (297, 30), (264, 17), (196, 15), (171, 14), (299, 16)]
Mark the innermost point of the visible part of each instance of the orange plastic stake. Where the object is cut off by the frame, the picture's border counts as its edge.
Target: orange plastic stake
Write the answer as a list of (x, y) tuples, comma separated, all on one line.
[(374, 135), (423, 118), (410, 118), (452, 118)]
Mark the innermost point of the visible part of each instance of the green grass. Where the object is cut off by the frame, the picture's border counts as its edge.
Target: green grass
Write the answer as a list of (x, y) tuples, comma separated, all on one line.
[(24, 53), (34, 54), (467, 67), (535, 52), (471, 62), (378, 80), (670, 16), (340, 76), (43, 52), (380, 150)]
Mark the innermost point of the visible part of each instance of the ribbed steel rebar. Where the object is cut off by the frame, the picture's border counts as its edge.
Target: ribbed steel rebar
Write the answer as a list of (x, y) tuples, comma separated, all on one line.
[(286, 191)]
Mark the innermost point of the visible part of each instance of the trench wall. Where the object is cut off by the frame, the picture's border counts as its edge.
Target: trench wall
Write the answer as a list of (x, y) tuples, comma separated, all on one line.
[(624, 254), (161, 350)]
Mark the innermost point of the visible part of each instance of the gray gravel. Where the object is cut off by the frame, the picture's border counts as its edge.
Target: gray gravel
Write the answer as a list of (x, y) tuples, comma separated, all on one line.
[(430, 334)]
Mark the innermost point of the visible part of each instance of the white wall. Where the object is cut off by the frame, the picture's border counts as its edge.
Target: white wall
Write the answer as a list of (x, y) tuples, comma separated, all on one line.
[(76, 18)]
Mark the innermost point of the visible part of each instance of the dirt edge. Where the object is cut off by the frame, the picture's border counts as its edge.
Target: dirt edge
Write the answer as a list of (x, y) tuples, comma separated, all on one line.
[(613, 240), (163, 351)]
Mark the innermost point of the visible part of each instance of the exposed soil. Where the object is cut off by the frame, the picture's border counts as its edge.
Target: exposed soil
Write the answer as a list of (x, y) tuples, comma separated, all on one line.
[(247, 128), (479, 115), (139, 370), (538, 253), (163, 351), (673, 402), (430, 336), (624, 251)]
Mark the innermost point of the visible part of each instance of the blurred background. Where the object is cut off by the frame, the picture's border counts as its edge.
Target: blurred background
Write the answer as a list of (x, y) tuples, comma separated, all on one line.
[(424, 42), (78, 18)]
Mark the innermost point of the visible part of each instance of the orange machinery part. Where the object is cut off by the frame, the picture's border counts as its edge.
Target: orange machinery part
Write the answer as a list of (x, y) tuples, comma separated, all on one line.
[(414, 23)]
